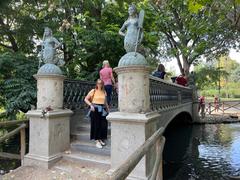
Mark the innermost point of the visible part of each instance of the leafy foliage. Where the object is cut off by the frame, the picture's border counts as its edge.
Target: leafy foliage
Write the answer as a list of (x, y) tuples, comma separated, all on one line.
[(209, 76), (89, 33), (235, 76), (17, 86), (87, 29), (193, 30), (223, 74)]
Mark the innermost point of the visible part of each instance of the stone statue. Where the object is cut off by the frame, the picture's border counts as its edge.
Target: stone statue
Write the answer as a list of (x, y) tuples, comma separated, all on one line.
[(133, 27), (49, 55), (49, 46)]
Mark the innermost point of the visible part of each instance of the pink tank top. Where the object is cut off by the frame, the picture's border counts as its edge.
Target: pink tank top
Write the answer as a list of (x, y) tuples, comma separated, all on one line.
[(105, 75)]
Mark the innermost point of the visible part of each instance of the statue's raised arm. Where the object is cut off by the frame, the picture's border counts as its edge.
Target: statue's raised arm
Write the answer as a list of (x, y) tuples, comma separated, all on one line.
[(132, 29)]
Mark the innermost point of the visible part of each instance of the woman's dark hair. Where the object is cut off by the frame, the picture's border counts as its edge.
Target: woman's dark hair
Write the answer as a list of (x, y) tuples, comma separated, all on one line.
[(161, 68)]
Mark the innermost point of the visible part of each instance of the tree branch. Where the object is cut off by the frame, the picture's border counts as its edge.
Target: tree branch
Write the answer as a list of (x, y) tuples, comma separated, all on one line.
[(11, 38), (6, 46), (177, 55)]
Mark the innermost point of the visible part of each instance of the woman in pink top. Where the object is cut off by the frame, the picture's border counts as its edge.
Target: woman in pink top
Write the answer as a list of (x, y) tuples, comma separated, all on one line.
[(106, 75)]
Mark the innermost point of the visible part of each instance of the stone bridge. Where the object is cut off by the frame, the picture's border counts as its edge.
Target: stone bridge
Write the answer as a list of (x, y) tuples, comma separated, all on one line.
[(127, 130), (143, 106), (166, 98)]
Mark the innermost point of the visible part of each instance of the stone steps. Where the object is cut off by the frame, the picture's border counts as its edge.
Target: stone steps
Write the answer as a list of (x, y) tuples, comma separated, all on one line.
[(83, 136), (85, 126), (90, 147), (88, 158), (84, 150)]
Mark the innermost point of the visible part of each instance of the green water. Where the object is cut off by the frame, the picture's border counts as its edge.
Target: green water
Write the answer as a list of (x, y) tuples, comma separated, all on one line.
[(202, 152)]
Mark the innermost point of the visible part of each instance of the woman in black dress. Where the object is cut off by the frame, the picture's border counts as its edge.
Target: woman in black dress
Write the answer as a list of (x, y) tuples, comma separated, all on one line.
[(96, 99)]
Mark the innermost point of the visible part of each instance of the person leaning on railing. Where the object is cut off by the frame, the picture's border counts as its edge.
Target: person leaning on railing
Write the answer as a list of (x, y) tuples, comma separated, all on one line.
[(97, 100), (160, 71), (181, 80)]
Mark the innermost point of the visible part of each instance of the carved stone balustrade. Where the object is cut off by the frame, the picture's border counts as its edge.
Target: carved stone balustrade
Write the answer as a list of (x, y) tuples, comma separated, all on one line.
[(164, 94)]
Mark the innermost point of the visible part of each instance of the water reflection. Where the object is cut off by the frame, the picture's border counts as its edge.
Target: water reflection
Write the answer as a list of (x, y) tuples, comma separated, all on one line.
[(204, 152)]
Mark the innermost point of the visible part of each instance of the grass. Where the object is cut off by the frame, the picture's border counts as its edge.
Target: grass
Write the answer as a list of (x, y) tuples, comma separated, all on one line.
[(223, 99)]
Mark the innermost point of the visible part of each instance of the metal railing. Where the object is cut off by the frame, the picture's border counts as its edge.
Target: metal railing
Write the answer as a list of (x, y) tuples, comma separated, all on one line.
[(222, 107), (123, 171), (21, 128), (164, 94), (75, 92)]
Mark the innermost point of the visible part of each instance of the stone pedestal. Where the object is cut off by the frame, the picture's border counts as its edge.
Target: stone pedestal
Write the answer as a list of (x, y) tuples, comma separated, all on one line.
[(128, 132), (132, 125), (133, 81), (50, 91), (133, 89), (49, 137), (49, 128)]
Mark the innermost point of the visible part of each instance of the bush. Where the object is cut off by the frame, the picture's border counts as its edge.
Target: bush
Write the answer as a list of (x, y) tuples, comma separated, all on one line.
[(17, 85), (224, 93)]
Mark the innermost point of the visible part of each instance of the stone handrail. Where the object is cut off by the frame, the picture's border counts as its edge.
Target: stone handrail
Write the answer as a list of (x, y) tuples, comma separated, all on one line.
[(165, 94), (127, 166)]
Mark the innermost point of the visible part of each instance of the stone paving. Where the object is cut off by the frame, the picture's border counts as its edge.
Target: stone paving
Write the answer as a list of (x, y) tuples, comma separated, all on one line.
[(63, 170)]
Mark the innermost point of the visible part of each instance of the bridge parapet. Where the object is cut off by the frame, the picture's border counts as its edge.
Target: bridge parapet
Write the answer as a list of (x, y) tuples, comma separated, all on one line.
[(75, 92), (164, 94)]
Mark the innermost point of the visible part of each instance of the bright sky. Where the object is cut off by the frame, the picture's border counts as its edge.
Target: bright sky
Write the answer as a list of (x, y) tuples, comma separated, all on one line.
[(234, 55), (172, 65)]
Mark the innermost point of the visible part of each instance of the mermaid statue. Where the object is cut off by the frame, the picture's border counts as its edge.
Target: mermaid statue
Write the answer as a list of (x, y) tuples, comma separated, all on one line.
[(132, 29), (50, 44)]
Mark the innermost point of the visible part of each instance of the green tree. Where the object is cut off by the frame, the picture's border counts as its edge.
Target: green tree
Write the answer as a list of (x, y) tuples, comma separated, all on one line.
[(17, 85), (229, 65), (87, 29), (191, 34), (235, 76), (208, 76)]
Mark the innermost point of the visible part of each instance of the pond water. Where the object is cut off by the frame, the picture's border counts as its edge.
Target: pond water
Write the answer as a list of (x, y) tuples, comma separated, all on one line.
[(202, 152), (10, 146)]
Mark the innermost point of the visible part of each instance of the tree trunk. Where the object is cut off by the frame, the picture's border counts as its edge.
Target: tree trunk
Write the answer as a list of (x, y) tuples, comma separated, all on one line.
[(186, 66)]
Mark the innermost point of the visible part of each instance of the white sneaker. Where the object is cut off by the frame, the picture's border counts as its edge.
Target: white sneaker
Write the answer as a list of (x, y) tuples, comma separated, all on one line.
[(98, 145), (102, 143)]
